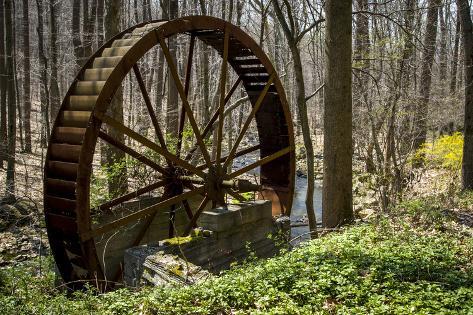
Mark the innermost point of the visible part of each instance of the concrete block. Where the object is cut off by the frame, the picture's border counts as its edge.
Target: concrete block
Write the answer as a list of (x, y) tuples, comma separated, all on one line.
[(220, 219), (156, 265), (237, 232)]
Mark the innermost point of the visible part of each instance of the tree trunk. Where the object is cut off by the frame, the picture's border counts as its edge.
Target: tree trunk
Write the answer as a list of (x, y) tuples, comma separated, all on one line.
[(26, 76), (76, 39), (406, 76), (302, 115), (361, 93), (54, 87), (422, 110), (453, 75), (173, 96), (304, 121), (86, 31), (117, 184), (92, 27), (337, 199), (43, 65), (100, 15), (443, 46), (11, 133), (467, 32), (3, 89), (15, 79)]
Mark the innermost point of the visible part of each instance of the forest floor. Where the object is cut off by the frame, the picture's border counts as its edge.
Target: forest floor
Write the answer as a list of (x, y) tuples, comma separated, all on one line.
[(415, 259), (22, 233)]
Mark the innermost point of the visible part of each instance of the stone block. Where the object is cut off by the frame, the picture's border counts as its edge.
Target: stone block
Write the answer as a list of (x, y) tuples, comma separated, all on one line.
[(236, 232), (220, 219)]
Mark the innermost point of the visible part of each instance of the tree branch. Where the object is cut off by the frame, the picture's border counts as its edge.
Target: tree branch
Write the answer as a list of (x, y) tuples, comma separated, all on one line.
[(307, 98)]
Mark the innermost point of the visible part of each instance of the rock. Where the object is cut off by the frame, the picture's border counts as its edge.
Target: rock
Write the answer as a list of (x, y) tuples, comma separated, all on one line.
[(8, 216), (16, 214), (25, 248), (21, 257), (283, 223)]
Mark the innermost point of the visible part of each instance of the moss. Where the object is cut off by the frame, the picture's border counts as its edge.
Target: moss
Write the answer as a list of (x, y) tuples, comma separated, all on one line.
[(180, 240)]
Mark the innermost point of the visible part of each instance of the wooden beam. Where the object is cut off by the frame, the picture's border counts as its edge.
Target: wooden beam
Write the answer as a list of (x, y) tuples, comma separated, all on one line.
[(263, 161), (250, 117), (223, 81), (193, 221), (132, 195), (148, 143), (182, 117), (185, 102), (139, 214), (151, 112), (140, 157), (209, 125), (239, 153)]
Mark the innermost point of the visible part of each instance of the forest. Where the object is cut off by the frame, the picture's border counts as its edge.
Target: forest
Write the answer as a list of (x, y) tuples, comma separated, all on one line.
[(126, 126)]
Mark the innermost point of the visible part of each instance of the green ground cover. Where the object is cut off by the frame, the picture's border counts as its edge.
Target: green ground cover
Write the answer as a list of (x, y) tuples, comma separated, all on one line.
[(418, 263)]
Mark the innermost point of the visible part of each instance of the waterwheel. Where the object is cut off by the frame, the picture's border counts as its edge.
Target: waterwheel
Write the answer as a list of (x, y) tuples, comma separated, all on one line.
[(181, 175)]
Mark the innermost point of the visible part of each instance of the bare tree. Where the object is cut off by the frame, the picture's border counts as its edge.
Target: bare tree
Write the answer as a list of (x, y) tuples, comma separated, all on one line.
[(26, 76), (100, 15), (3, 88), (293, 36), (454, 66), (337, 197), (54, 51), (426, 73), (467, 32), (43, 83), (11, 92), (76, 38)]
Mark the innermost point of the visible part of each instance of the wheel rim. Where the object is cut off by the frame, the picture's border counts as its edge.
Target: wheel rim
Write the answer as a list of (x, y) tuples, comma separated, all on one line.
[(77, 244)]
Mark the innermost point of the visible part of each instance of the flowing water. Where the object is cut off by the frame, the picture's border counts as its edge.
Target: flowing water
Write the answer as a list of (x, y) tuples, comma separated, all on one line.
[(299, 232), (299, 212)]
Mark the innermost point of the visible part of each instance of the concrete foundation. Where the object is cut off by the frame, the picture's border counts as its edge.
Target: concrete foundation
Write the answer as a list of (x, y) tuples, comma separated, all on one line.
[(226, 236)]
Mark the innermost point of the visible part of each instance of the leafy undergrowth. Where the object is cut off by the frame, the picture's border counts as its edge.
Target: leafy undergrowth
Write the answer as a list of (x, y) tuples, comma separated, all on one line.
[(391, 266)]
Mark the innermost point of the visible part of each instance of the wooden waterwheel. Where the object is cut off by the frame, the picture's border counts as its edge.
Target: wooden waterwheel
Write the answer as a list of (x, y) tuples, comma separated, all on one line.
[(180, 175)]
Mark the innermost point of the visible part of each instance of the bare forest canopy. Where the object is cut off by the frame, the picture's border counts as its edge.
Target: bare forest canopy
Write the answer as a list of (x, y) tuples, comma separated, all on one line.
[(400, 66)]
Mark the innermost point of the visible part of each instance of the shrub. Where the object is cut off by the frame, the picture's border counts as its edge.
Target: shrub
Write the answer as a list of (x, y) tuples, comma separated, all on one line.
[(445, 152)]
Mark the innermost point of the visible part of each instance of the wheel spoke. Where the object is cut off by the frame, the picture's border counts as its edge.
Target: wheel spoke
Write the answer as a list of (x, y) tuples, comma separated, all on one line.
[(223, 80), (132, 195), (209, 126), (188, 209), (151, 112), (193, 221), (250, 117), (182, 117), (139, 214), (119, 145), (239, 153), (151, 145), (263, 161), (185, 102)]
